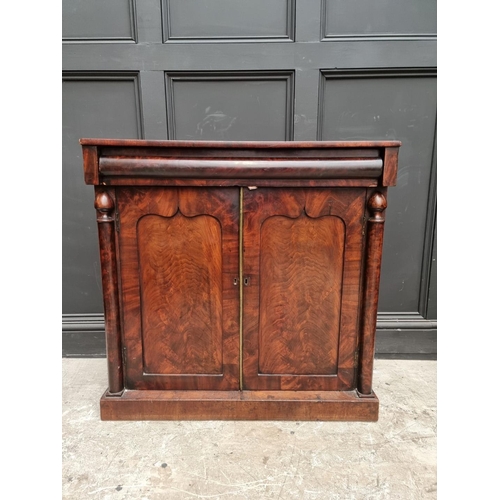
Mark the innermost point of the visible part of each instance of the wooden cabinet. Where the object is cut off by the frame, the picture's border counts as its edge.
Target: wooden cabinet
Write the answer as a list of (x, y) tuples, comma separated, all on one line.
[(240, 279)]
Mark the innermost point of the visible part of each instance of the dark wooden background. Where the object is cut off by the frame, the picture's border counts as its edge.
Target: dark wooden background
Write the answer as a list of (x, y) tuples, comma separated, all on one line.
[(257, 70)]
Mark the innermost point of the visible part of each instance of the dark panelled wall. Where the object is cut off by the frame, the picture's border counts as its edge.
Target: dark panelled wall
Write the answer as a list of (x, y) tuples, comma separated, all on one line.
[(257, 70)]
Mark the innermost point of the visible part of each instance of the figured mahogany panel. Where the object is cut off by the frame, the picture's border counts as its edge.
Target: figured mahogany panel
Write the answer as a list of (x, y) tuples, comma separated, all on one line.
[(301, 266), (302, 261), (180, 261)]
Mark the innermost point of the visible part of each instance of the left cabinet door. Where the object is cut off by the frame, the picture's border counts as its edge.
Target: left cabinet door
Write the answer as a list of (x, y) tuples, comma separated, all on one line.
[(178, 262)]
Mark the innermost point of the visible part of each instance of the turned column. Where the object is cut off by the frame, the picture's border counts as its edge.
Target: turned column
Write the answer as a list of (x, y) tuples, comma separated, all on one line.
[(105, 207), (377, 204)]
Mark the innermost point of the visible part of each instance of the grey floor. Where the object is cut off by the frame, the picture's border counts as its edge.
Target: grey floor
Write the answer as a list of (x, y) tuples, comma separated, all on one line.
[(394, 458)]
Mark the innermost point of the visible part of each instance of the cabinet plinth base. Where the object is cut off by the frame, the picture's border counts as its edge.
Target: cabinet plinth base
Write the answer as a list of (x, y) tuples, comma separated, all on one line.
[(239, 405)]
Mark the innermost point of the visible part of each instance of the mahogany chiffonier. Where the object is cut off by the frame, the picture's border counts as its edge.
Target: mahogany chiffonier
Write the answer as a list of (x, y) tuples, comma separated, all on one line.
[(240, 279)]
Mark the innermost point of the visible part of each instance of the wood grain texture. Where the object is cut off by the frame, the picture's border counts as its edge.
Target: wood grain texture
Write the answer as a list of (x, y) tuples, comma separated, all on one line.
[(91, 165), (236, 168), (247, 150), (105, 209), (376, 206), (346, 206), (240, 405), (159, 181), (301, 265), (180, 305), (140, 162), (238, 144), (180, 261), (390, 175)]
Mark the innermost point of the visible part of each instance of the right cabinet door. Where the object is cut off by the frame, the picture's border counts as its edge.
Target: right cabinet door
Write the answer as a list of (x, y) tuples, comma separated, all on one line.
[(302, 262)]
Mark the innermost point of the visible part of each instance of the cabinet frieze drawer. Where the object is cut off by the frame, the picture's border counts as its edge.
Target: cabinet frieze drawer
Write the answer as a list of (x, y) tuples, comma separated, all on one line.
[(242, 169)]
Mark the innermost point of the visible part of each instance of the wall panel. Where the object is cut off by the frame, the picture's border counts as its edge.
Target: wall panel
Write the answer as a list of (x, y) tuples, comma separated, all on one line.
[(95, 105), (98, 21), (224, 106), (228, 19), (391, 105), (379, 18)]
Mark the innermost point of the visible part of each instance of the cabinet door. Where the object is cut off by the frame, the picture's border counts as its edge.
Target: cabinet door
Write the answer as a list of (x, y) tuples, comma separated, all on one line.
[(178, 249), (302, 268)]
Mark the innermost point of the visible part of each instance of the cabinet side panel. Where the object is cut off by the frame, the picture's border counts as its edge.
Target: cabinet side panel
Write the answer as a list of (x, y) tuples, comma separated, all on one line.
[(300, 295), (180, 261)]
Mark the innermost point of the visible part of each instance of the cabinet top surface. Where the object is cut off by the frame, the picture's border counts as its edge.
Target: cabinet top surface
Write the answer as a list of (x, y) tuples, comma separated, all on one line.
[(238, 144)]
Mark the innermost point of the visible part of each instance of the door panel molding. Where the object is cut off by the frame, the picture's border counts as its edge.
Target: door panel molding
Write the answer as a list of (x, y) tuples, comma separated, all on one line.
[(174, 272), (307, 208), (429, 236), (113, 76), (219, 122), (397, 15), (226, 8), (71, 11), (413, 166)]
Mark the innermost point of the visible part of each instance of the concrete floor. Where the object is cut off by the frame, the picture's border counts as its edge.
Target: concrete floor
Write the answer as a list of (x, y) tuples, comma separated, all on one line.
[(394, 458)]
